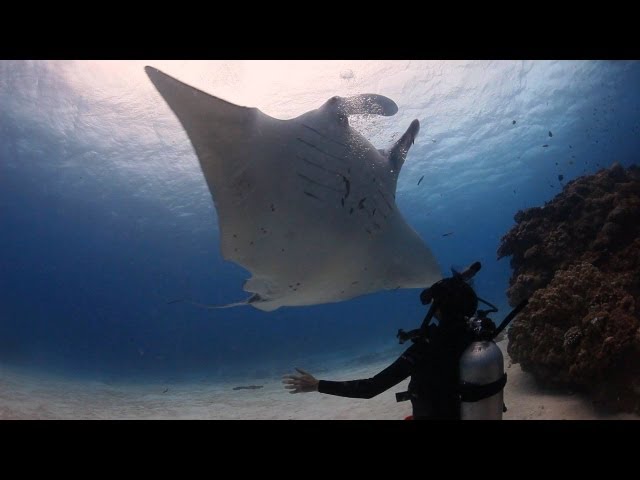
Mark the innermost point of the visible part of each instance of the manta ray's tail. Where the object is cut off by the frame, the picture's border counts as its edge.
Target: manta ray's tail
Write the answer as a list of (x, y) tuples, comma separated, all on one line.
[(251, 299)]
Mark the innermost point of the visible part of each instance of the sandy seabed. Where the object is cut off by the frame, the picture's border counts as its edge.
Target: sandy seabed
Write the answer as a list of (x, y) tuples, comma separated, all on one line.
[(39, 397)]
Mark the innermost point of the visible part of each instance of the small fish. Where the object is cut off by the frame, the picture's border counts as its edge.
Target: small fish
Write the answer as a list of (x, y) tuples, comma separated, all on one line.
[(165, 390), (550, 134), (545, 145), (420, 179), (447, 234), (309, 194), (514, 122), (514, 191), (560, 177), (248, 387)]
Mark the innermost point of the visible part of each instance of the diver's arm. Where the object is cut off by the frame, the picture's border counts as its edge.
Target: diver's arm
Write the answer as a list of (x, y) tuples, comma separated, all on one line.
[(370, 387)]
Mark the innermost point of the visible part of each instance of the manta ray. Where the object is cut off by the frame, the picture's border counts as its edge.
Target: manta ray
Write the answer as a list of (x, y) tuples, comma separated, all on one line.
[(306, 205)]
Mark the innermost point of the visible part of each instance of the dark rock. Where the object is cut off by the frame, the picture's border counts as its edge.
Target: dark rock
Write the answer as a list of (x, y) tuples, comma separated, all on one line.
[(577, 260)]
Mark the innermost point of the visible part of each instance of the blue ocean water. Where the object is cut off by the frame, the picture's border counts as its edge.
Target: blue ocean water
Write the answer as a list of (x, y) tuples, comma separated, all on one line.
[(105, 216)]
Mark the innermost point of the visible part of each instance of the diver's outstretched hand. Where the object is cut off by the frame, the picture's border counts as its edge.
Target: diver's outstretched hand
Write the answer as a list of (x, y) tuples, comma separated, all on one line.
[(300, 383)]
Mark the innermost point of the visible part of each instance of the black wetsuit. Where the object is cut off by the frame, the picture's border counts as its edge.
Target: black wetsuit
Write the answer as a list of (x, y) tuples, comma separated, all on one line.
[(432, 363)]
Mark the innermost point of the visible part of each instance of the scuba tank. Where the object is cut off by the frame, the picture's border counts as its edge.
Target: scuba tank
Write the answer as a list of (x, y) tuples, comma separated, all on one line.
[(481, 373), (481, 366)]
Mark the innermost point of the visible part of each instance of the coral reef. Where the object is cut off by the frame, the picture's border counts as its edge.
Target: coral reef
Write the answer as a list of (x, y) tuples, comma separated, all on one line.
[(578, 260)]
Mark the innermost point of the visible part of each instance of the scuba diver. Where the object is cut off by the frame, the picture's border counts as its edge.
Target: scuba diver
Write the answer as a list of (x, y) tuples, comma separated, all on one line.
[(455, 367)]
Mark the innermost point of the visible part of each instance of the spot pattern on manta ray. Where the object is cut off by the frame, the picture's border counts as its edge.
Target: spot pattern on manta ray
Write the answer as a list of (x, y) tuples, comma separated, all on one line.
[(315, 169)]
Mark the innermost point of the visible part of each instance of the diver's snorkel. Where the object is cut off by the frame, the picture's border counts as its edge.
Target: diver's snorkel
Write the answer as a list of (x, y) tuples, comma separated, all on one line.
[(470, 272)]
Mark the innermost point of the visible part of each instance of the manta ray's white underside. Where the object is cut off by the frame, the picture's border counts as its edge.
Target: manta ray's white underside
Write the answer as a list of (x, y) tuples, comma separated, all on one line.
[(307, 205)]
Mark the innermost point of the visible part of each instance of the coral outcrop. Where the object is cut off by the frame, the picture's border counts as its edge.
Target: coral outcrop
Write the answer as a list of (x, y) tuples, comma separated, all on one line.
[(578, 261)]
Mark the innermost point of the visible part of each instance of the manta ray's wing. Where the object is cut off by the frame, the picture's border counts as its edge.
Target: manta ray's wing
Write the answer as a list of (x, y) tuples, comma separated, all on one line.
[(220, 132), (231, 143)]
